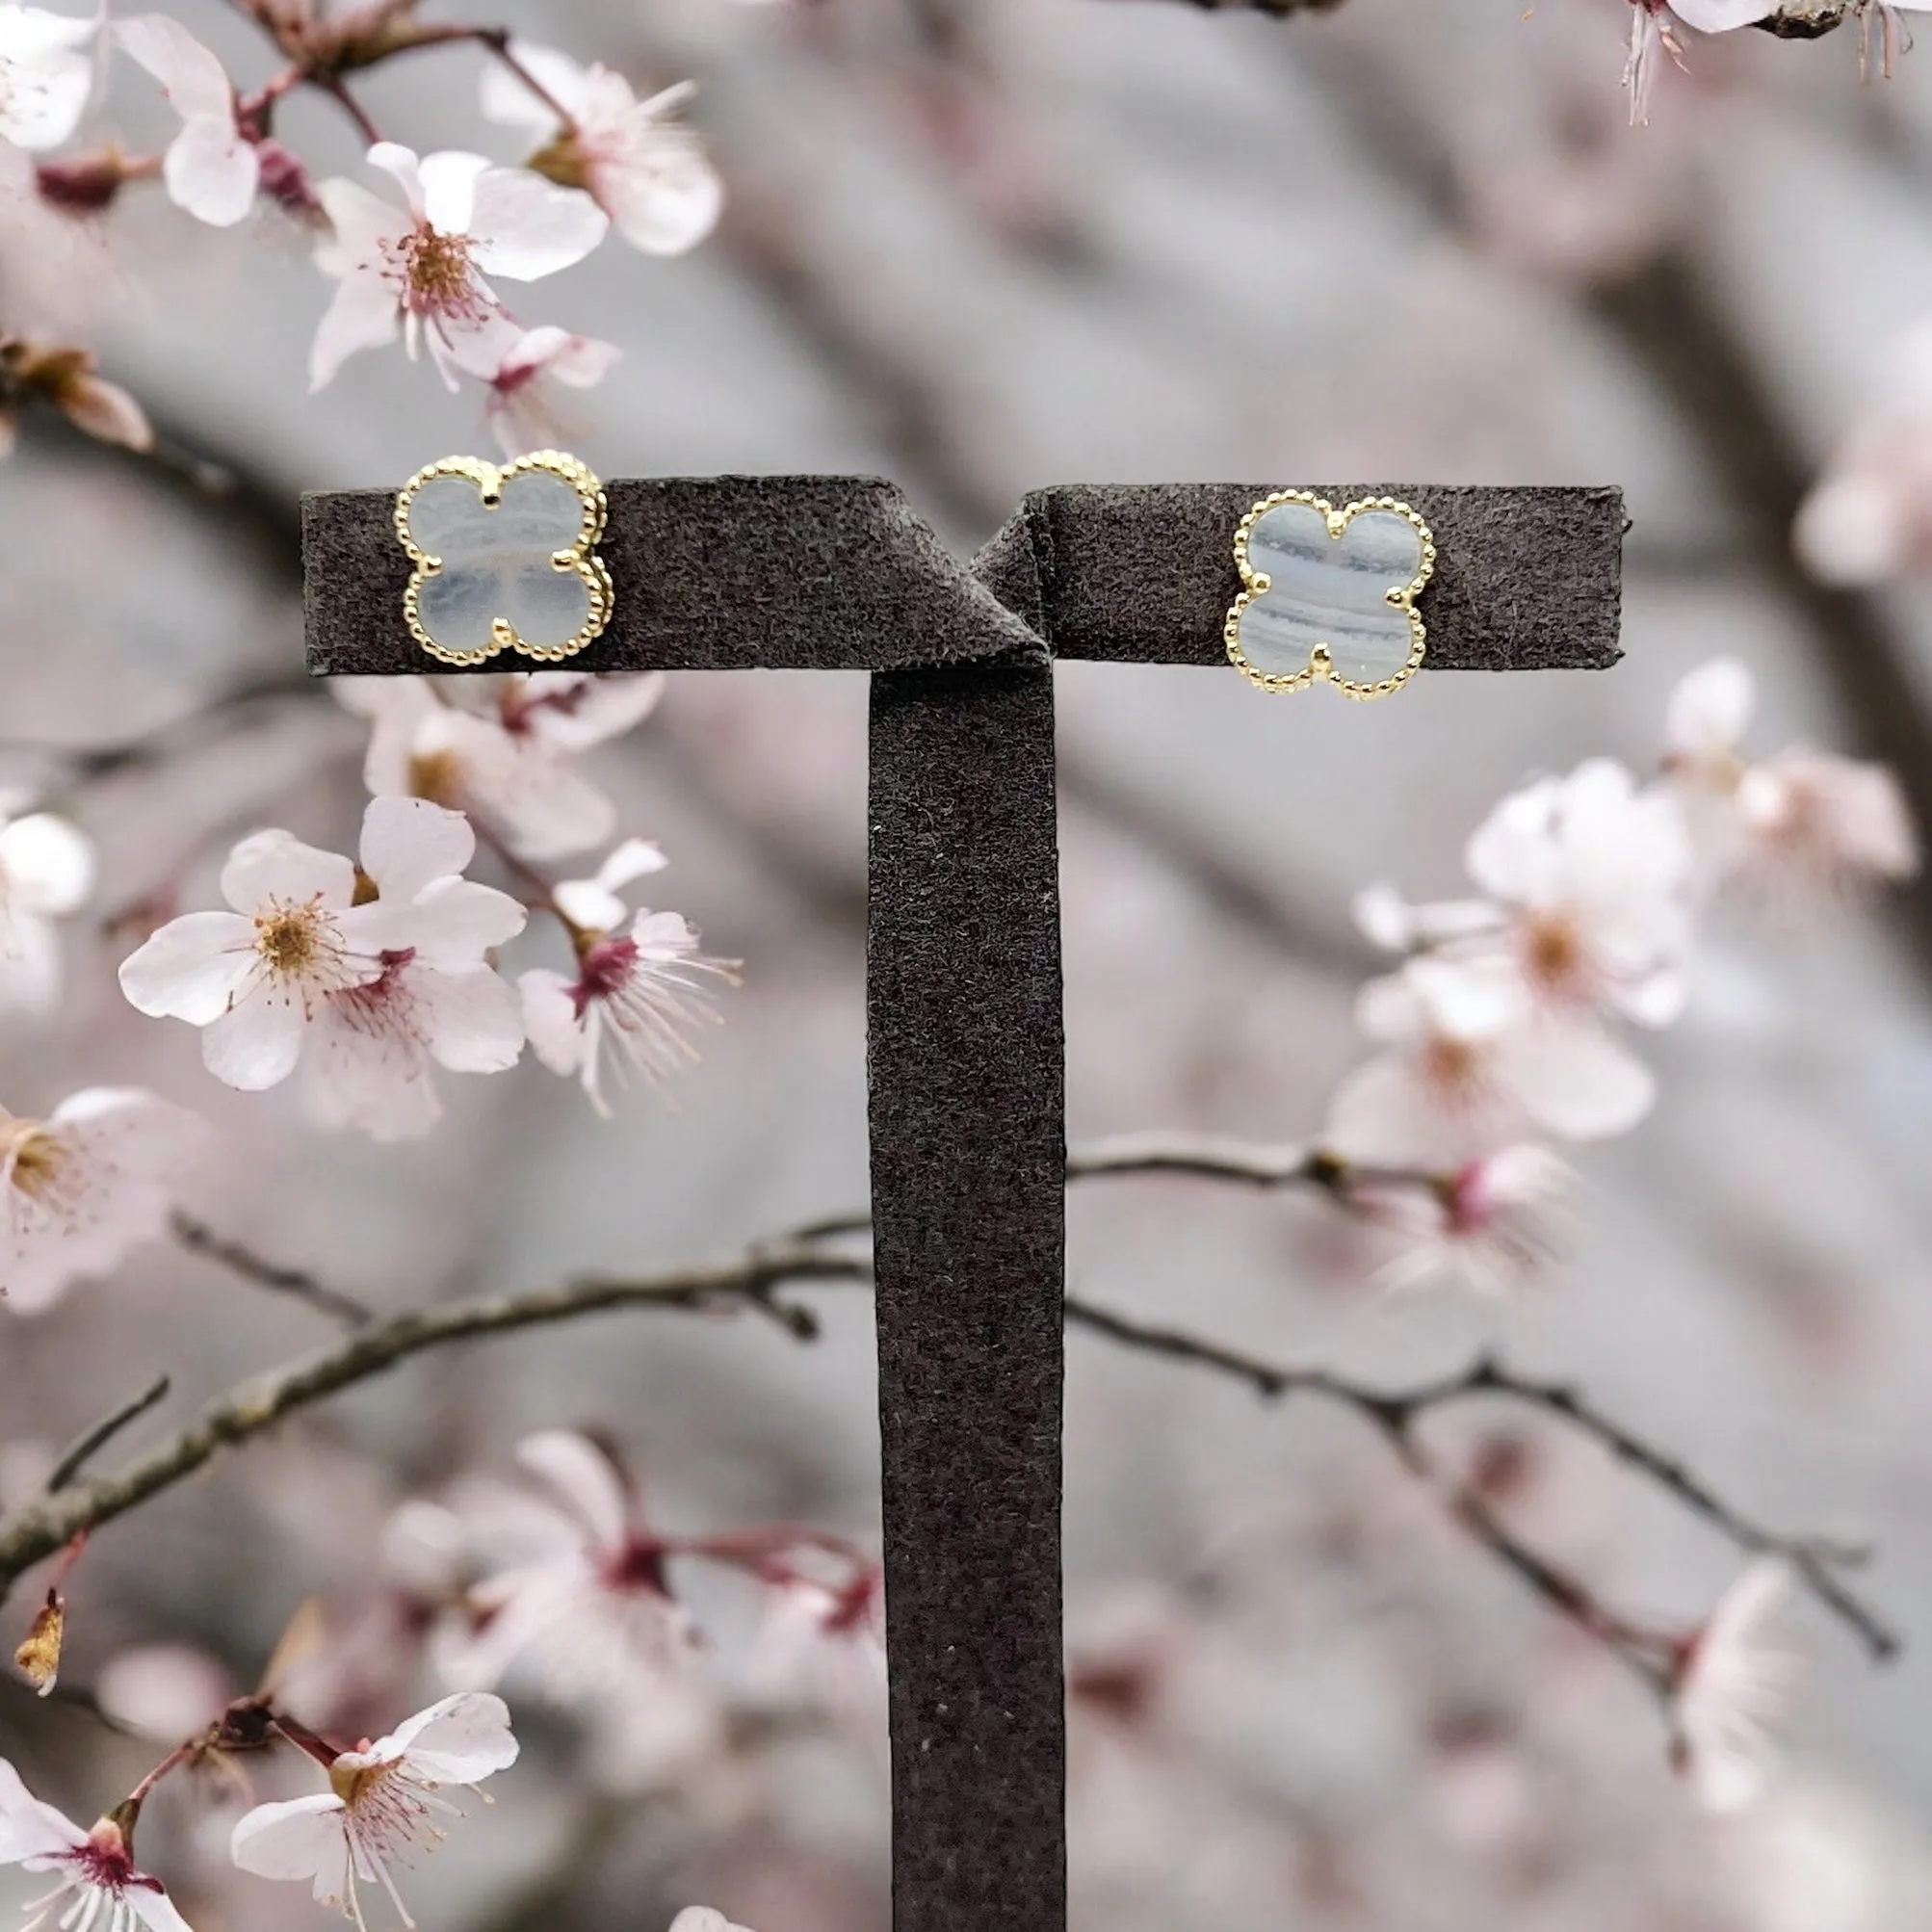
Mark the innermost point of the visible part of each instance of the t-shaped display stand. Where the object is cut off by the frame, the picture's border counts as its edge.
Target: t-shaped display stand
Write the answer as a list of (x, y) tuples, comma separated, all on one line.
[(963, 991)]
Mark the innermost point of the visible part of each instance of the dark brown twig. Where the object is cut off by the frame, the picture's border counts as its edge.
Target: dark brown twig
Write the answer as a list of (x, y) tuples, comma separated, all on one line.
[(295, 1282), (84, 1447)]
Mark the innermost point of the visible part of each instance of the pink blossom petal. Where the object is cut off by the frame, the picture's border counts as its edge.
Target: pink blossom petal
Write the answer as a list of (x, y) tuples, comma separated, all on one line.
[(669, 198), (1576, 1080), (406, 843), (192, 78), (453, 922), (581, 1477), (274, 866), (154, 1909), (361, 225), (191, 969), (28, 1827), (550, 1018), (460, 1739), (257, 1044), (1711, 710), (362, 314), (580, 709), (450, 189), (401, 164), (212, 171), (474, 1020), (525, 228), (297, 1838)]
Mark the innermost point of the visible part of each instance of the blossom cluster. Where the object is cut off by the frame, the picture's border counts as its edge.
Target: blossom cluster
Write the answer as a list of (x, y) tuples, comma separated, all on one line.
[(362, 974), (1506, 1024), (423, 262), (561, 1587)]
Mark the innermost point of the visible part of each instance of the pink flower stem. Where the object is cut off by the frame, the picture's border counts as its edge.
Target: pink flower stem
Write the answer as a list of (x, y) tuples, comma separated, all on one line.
[(130, 1806), (497, 40), (303, 1738)]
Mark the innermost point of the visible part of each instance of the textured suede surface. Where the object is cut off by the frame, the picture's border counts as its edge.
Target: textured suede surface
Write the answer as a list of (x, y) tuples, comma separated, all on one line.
[(963, 1029), (838, 573), (966, 1065), (1525, 579)]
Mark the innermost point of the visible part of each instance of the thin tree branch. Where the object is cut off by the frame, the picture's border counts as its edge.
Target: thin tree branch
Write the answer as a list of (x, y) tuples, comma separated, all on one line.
[(750, 1282), (297, 1283), (1398, 1412), (84, 1447)]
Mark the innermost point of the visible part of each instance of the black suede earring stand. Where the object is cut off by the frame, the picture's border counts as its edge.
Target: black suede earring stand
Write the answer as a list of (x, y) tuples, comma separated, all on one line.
[(965, 1060)]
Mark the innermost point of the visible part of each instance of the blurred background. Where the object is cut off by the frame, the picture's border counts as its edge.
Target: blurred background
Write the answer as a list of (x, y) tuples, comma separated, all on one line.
[(980, 247)]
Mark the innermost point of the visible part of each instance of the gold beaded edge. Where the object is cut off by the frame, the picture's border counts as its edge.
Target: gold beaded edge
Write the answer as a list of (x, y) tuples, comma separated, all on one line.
[(578, 557), (1320, 665)]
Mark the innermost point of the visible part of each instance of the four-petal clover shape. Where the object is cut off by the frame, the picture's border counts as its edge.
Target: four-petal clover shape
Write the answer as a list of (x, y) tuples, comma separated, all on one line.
[(504, 558), (1330, 595)]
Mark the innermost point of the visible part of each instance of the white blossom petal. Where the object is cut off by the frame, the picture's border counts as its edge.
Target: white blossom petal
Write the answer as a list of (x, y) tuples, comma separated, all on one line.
[(459, 1740), (550, 1018), (212, 171), (448, 188), (257, 1044), (28, 1827), (192, 969), (294, 1839), (362, 314), (582, 1476), (525, 228), (408, 842), (1575, 1080), (274, 866), (1711, 710)]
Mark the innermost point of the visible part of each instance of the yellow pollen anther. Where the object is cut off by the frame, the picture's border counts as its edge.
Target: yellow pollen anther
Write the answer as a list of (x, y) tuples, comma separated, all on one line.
[(286, 938)]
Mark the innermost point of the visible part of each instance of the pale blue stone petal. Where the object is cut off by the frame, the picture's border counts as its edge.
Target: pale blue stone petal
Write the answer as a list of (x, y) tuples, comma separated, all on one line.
[(1330, 590), (496, 562)]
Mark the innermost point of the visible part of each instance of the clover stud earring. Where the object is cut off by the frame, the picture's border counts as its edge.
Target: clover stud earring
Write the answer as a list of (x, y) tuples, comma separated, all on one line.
[(504, 558), (1329, 595)]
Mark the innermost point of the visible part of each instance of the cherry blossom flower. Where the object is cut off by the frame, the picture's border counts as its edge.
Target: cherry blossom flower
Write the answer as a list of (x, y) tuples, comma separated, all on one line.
[(46, 75), (436, 999), (581, 1599), (1495, 1224), (519, 366), (211, 168), (82, 1187), (824, 1645), (100, 1890), (420, 269), (636, 998), (647, 172), (703, 1919), (384, 1804), (1469, 1065), (1803, 818), (1734, 1684), (501, 749), (46, 869), (1595, 877), (1653, 34), (384, 983)]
